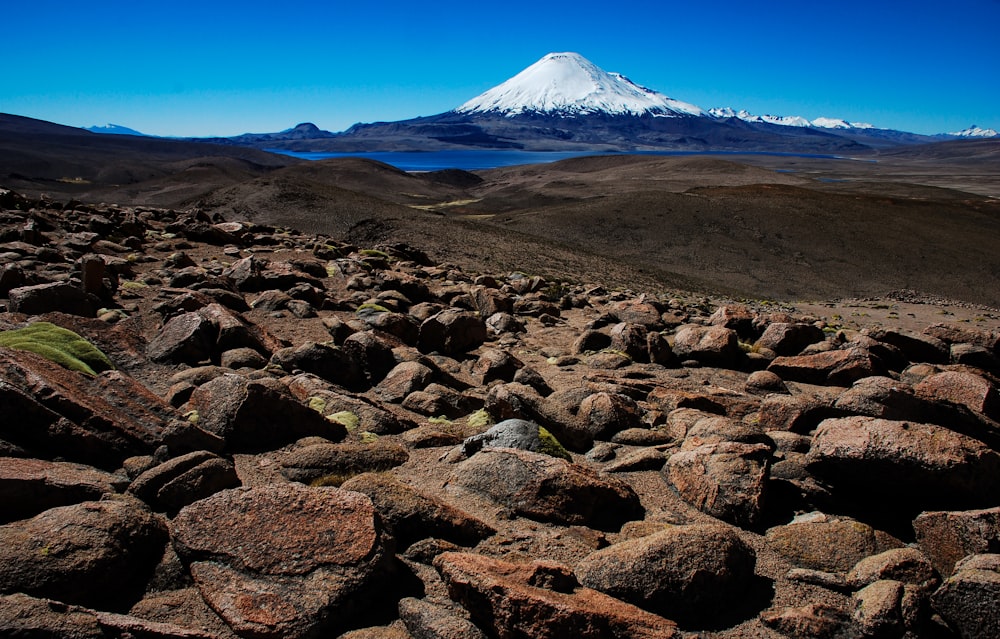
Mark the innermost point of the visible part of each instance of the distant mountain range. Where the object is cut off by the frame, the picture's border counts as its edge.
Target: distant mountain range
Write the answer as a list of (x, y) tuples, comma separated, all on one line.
[(565, 102)]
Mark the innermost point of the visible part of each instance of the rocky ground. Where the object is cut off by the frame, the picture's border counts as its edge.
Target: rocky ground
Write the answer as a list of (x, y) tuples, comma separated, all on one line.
[(222, 429)]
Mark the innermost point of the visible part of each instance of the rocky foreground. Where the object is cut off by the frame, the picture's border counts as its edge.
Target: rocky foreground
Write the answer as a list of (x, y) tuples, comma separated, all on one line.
[(219, 429)]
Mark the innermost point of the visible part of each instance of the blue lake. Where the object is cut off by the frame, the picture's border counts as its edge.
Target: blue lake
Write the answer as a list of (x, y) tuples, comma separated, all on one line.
[(474, 160)]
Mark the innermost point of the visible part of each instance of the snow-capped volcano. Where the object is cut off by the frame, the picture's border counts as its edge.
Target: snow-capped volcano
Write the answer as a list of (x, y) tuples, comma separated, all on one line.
[(976, 132), (568, 84)]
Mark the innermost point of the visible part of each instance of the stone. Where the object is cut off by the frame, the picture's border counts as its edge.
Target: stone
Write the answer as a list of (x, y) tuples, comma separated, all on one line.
[(903, 465), (96, 553), (373, 353), (795, 413), (715, 430), (332, 462), (914, 346), (330, 363), (602, 415), (970, 390), (237, 358), (789, 339), (907, 565), (284, 560), (709, 345), (952, 334), (170, 486), (452, 331), (546, 488), (490, 301), (541, 600), (727, 480), (877, 609), (812, 621), (411, 515), (256, 415), (630, 339), (736, 317), (100, 420), (590, 341), (763, 383), (185, 339), (30, 486), (837, 368), (639, 312), (403, 379), (425, 620), (495, 364), (948, 536), (512, 433), (828, 544), (62, 297), (690, 573), (968, 598)]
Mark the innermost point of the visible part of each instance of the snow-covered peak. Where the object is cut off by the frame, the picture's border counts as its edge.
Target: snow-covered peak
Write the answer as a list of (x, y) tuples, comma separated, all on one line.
[(115, 129), (787, 120), (569, 84), (976, 132)]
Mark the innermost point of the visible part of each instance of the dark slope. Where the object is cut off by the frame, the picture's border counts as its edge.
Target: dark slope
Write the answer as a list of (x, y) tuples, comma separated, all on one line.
[(38, 156)]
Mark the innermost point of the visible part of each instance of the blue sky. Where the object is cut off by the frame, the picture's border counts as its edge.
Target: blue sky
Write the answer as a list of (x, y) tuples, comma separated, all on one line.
[(224, 68)]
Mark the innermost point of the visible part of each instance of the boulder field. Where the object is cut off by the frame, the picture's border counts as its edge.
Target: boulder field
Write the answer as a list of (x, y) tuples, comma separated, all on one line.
[(218, 429)]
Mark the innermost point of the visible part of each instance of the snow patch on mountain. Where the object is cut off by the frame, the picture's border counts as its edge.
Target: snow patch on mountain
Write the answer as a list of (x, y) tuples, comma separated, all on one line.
[(569, 84), (787, 120), (976, 132)]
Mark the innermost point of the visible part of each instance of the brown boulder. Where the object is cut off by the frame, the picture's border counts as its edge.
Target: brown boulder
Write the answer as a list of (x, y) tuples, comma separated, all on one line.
[(541, 600), (727, 480), (903, 464), (29, 486), (170, 486), (452, 331), (404, 379), (548, 488), (257, 415), (830, 545), (968, 599), (710, 345), (948, 536), (424, 620), (185, 339), (789, 339), (689, 573), (973, 391), (338, 462), (97, 554), (602, 415), (283, 560), (62, 297), (837, 368), (411, 515), (51, 411)]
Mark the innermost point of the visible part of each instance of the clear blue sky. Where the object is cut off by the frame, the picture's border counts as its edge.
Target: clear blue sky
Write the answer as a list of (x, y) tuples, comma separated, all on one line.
[(224, 68)]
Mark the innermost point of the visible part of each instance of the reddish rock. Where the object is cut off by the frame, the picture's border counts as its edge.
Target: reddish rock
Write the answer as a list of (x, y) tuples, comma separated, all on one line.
[(764, 383), (452, 331), (736, 317), (62, 297), (907, 565), (283, 560), (541, 600), (830, 545), (29, 486), (689, 573), (710, 345), (877, 611), (412, 515), (257, 415), (970, 390), (951, 334), (404, 379), (548, 488), (495, 364), (726, 480), (52, 411), (630, 339), (330, 363), (65, 553), (638, 312), (316, 461), (789, 339), (815, 621), (902, 464), (838, 368), (914, 346), (489, 301), (424, 620), (948, 536), (968, 598), (602, 415), (185, 339), (170, 486)]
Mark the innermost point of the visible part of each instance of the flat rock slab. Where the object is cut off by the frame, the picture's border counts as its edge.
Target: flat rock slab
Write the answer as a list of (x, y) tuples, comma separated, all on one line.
[(548, 489), (904, 464), (948, 536), (283, 560), (30, 486), (67, 553), (541, 600)]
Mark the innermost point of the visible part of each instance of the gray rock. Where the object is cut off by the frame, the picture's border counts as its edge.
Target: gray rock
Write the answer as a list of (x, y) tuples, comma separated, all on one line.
[(968, 599)]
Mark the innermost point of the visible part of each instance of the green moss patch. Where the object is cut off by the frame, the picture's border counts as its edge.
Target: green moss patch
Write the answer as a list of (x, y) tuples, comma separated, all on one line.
[(551, 446), (57, 344)]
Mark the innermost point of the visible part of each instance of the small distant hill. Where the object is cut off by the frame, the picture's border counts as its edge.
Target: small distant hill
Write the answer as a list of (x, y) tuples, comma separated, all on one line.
[(114, 129)]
